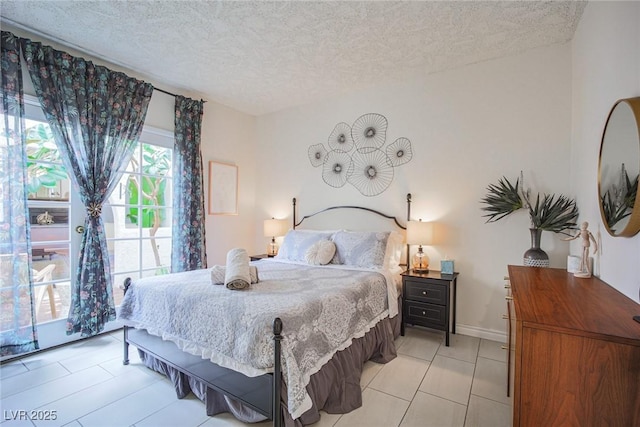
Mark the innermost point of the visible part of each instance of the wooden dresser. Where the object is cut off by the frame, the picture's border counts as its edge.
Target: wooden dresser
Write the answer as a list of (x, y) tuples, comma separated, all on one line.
[(574, 351)]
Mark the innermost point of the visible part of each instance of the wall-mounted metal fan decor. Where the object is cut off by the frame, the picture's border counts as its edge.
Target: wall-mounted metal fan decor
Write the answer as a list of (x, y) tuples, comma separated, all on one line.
[(400, 152), (372, 171), (357, 155), (337, 168), (369, 131), (340, 138), (317, 154)]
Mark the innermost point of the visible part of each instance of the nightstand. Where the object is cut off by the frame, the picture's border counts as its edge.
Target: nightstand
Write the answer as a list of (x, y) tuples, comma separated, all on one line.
[(258, 257), (429, 299)]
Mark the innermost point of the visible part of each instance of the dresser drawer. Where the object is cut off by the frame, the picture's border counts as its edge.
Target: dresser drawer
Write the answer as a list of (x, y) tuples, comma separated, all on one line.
[(426, 314), (425, 291)]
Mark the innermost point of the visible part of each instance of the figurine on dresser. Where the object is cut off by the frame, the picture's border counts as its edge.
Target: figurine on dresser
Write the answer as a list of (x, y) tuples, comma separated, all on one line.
[(587, 238)]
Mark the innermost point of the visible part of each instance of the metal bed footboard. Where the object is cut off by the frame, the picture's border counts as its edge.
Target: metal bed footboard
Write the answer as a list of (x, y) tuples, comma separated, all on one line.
[(262, 394)]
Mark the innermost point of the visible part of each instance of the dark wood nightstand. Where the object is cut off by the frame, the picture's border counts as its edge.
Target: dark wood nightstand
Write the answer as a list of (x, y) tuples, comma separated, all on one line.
[(258, 257), (429, 299)]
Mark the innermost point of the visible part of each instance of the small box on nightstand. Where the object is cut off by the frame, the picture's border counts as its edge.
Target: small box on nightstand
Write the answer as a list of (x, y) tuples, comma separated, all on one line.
[(446, 266)]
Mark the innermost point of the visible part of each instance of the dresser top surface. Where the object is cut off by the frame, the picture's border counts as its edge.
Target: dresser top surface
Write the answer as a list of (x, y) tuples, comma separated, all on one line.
[(555, 298)]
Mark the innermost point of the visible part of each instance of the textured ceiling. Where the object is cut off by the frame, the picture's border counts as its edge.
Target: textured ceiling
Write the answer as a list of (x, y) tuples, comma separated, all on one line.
[(260, 57)]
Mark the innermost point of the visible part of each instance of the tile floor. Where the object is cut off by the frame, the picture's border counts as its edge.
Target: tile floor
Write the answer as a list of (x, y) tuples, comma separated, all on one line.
[(427, 385)]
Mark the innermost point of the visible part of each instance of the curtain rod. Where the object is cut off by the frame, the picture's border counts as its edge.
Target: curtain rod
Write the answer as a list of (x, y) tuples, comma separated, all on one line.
[(172, 94), (78, 48)]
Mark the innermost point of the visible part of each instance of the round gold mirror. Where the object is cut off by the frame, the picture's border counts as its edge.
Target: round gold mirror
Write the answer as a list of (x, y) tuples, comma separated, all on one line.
[(618, 169)]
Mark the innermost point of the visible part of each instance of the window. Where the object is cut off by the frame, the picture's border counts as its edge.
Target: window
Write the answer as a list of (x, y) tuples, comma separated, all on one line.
[(138, 216)]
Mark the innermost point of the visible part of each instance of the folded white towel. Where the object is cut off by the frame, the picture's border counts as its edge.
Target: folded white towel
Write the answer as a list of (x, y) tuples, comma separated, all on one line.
[(218, 273), (237, 274)]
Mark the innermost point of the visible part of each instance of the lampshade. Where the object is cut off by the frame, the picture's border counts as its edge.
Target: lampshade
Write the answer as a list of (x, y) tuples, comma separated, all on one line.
[(419, 233), (275, 227)]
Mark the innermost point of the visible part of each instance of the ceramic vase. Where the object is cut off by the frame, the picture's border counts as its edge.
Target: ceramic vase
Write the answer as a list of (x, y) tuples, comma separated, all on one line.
[(535, 257)]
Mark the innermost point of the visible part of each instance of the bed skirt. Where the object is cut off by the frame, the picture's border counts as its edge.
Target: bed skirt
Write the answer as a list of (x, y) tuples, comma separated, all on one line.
[(334, 389)]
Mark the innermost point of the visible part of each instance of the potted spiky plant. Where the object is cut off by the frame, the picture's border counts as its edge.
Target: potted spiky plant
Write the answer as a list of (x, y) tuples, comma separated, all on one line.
[(549, 213)]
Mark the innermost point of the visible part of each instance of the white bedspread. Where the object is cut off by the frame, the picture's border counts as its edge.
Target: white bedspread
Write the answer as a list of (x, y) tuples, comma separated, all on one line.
[(322, 309)]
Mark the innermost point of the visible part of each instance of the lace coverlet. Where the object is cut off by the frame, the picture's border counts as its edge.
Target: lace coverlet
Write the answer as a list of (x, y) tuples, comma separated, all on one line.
[(322, 310)]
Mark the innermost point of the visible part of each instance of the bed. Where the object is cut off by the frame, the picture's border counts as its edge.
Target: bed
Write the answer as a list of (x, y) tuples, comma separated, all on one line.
[(292, 344)]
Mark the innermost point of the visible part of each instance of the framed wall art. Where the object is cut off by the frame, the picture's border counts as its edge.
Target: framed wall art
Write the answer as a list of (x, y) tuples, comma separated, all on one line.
[(223, 188)]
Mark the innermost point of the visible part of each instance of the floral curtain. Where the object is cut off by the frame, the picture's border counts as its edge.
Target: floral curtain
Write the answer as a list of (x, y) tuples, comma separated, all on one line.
[(17, 326), (96, 116), (188, 249)]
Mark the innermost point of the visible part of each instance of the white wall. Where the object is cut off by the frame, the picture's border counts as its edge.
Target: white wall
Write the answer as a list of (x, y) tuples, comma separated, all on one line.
[(228, 136), (468, 127), (606, 67)]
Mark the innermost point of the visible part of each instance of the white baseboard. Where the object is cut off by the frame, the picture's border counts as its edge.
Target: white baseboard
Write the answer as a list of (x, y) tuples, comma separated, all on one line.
[(487, 334)]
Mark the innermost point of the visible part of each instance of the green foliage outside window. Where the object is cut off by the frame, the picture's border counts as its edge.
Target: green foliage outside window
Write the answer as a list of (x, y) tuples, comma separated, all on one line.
[(156, 164), (45, 170), (153, 189), (44, 166)]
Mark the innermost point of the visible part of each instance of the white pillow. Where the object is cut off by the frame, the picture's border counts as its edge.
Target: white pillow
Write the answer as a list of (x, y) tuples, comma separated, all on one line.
[(361, 248), (296, 243), (321, 252), (393, 254)]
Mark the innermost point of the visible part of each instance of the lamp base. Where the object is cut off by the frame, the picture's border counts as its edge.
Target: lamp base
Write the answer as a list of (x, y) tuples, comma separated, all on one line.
[(272, 249), (420, 262)]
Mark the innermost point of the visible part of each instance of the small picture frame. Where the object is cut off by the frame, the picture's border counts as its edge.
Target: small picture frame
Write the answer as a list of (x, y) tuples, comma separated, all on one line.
[(446, 266), (223, 188)]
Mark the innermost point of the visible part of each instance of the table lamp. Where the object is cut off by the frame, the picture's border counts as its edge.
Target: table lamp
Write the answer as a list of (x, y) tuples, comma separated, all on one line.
[(274, 228), (420, 233)]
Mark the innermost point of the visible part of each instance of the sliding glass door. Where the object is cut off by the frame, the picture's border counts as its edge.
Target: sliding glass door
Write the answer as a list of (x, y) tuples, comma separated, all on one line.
[(137, 221), (56, 217)]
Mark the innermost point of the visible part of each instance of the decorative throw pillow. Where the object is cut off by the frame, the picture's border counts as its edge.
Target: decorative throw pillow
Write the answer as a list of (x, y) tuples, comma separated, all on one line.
[(321, 252), (296, 243), (361, 248)]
